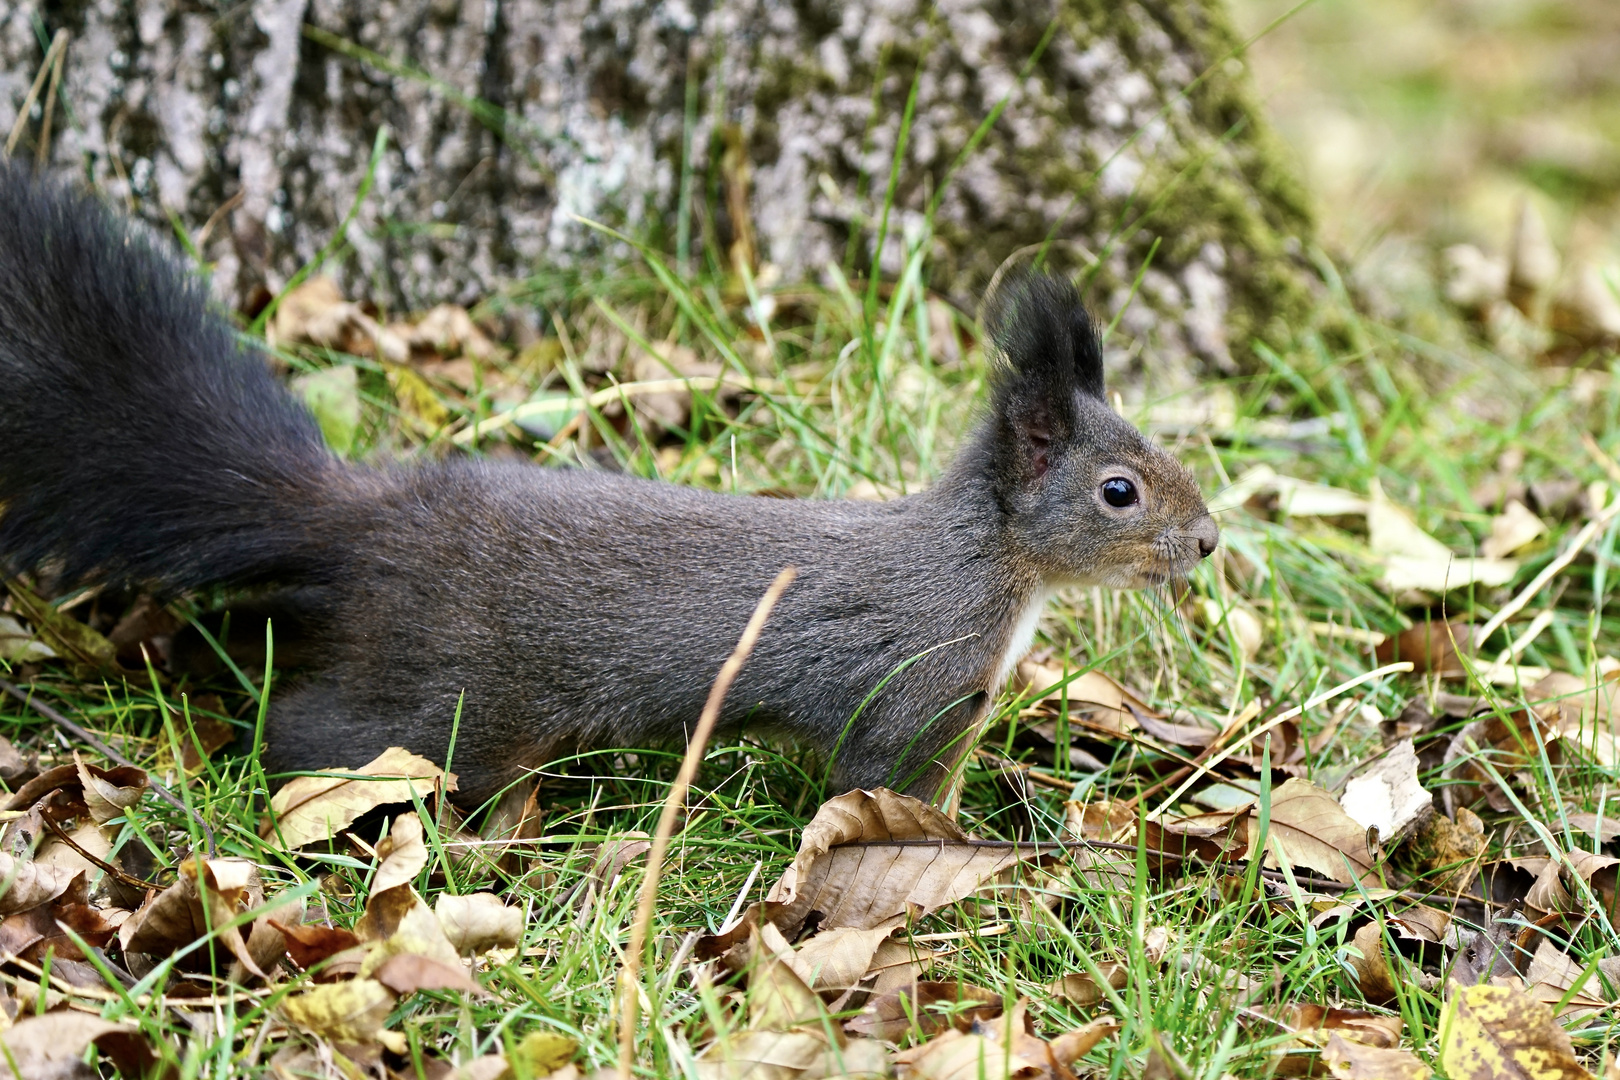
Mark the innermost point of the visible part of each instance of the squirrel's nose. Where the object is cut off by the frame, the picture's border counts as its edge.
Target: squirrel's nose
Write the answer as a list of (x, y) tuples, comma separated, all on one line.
[(1208, 535)]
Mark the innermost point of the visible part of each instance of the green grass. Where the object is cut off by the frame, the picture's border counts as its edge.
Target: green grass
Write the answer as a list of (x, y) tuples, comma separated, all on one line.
[(871, 400)]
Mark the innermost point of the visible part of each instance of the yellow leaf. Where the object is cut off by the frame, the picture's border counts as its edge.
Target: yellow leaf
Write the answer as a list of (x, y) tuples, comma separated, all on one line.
[(345, 1012), (1498, 1033)]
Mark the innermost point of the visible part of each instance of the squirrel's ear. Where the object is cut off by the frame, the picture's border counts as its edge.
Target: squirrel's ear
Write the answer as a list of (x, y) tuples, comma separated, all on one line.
[(1044, 352)]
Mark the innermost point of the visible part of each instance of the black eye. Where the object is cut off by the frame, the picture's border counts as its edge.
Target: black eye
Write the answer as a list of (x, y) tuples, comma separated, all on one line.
[(1119, 492)]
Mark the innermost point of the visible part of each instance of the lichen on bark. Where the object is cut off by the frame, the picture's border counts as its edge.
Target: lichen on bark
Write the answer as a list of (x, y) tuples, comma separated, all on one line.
[(1123, 125)]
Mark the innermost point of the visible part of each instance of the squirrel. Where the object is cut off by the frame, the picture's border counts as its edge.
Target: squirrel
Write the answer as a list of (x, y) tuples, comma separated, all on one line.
[(528, 611)]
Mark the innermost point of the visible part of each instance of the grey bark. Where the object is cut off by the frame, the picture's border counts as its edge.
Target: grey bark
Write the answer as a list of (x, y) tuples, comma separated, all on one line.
[(511, 119)]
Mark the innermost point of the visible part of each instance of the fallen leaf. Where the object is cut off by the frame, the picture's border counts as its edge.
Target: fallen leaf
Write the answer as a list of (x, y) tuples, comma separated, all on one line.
[(52, 1046), (761, 1055), (1552, 974), (309, 945), (403, 853), (25, 885), (479, 922), (1351, 1060), (925, 1009), (1511, 530), (315, 313), (1082, 989), (405, 973), (541, 1052), (1002, 1048), (346, 1012), (66, 635), (1415, 560), (868, 856), (840, 958), (312, 808), (186, 911), (105, 798), (399, 921), (1498, 1033), (1431, 648), (1386, 795), (1243, 624), (20, 645), (1313, 831)]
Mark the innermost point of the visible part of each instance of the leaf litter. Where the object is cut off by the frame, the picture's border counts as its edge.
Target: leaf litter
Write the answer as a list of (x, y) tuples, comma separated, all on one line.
[(1442, 848)]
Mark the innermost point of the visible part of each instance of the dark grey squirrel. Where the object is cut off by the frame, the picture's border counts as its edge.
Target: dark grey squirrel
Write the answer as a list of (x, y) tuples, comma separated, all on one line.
[(148, 446)]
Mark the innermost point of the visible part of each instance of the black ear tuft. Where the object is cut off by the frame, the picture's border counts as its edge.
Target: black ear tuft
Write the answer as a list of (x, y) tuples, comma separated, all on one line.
[(1044, 339)]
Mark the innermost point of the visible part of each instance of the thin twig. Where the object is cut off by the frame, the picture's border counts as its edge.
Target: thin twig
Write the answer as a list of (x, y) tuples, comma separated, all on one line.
[(110, 754), (629, 977)]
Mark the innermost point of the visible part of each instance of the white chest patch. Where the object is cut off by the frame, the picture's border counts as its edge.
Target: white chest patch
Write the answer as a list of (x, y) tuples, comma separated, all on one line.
[(1023, 633)]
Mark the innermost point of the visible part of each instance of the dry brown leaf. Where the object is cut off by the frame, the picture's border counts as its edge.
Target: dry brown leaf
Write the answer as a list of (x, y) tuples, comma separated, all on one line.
[(1450, 850), (1082, 989), (925, 1009), (27, 885), (1387, 795), (611, 858), (1314, 832), (1550, 892), (1001, 1048), (403, 853), (1105, 702), (185, 912), (405, 973), (346, 1012), (778, 999), (840, 958), (399, 921), (479, 922), (105, 798), (309, 945), (1551, 975), (315, 313), (1351, 1060), (1415, 560), (312, 808), (52, 1046), (1314, 1026), (1494, 1032), (1511, 530), (782, 1055), (868, 856), (1431, 648)]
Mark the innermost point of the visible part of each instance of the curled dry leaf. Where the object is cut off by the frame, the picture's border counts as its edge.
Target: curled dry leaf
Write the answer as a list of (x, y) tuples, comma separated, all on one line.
[(309, 945), (312, 808), (399, 921), (1002, 1048), (479, 922), (840, 958), (1105, 702), (346, 1012), (403, 853), (788, 1055), (105, 798), (1351, 1060), (52, 1046), (184, 913), (27, 885), (1499, 1033), (1386, 795), (927, 1008), (868, 856), (1083, 990), (1511, 743), (1313, 1026)]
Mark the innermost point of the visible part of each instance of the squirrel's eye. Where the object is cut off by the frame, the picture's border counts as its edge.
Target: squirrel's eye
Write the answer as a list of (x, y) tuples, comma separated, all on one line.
[(1118, 492)]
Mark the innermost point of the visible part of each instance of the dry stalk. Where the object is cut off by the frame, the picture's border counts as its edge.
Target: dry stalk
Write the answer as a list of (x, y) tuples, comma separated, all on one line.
[(630, 975)]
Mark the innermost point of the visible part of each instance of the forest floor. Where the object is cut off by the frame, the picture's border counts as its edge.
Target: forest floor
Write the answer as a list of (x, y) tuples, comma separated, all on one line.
[(1338, 803)]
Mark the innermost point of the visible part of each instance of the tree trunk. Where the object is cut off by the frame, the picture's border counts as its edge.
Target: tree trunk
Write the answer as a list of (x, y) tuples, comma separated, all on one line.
[(772, 123)]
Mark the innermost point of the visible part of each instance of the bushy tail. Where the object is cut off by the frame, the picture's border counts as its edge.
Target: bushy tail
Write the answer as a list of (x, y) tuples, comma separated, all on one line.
[(142, 443)]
